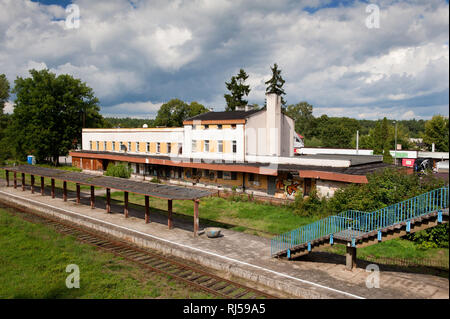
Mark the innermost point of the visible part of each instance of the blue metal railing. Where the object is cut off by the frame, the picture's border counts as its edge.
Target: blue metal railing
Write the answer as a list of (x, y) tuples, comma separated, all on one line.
[(352, 223)]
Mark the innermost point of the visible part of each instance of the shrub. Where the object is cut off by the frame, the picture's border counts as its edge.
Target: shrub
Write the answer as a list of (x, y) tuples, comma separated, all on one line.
[(118, 170), (155, 180), (309, 206)]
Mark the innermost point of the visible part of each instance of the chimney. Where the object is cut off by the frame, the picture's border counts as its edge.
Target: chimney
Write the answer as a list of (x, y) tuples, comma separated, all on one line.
[(273, 123)]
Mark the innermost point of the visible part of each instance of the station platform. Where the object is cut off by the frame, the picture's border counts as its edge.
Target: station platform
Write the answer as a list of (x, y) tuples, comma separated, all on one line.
[(317, 275)]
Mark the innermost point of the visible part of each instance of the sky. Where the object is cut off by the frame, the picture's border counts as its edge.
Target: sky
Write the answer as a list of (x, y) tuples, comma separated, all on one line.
[(339, 56)]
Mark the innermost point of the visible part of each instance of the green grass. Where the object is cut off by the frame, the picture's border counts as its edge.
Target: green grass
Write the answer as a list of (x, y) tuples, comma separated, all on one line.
[(264, 219), (33, 260), (395, 248)]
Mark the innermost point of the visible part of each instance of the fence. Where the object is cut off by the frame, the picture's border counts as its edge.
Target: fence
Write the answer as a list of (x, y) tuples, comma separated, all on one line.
[(351, 223)]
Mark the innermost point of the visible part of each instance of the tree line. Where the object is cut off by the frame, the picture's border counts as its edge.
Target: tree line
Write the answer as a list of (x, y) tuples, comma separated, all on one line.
[(50, 112)]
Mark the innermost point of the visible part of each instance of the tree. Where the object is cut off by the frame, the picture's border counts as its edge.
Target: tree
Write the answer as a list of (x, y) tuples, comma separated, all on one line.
[(237, 89), (301, 113), (174, 112), (4, 91), (436, 131), (49, 114), (275, 84), (4, 118)]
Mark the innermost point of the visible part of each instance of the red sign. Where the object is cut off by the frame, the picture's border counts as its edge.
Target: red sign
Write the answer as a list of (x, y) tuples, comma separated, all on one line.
[(408, 162)]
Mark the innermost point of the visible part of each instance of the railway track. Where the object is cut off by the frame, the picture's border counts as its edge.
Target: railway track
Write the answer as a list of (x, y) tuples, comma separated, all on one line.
[(152, 260)]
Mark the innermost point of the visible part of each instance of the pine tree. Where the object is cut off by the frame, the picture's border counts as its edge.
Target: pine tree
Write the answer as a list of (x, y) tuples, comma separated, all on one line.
[(237, 89), (275, 84)]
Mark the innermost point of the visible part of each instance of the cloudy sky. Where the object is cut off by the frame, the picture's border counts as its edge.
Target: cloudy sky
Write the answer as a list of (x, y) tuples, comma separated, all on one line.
[(138, 54)]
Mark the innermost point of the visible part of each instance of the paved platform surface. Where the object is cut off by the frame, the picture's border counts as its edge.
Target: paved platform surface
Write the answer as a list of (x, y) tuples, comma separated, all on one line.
[(317, 275)]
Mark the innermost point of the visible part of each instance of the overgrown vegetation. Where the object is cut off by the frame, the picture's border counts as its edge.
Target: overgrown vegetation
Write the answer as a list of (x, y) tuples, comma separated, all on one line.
[(118, 170), (384, 188)]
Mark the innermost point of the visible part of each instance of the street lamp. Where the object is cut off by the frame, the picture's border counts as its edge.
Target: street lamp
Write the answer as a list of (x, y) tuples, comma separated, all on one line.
[(395, 145)]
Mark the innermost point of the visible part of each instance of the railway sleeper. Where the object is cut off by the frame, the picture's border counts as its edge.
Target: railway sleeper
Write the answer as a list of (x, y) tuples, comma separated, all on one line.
[(220, 286), (229, 290), (203, 280), (210, 284), (241, 294)]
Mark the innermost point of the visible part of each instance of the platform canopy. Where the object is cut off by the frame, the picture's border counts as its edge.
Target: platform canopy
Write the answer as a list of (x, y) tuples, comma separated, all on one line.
[(121, 184)]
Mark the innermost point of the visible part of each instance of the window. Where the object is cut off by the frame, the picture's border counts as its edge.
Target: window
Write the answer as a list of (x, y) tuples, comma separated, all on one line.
[(148, 147), (233, 176), (113, 145), (90, 145), (234, 147), (206, 145), (158, 147), (251, 177), (129, 146), (220, 146), (219, 127), (219, 174), (194, 146), (137, 147), (104, 146), (205, 173), (169, 148), (233, 126), (97, 145), (121, 146), (206, 127)]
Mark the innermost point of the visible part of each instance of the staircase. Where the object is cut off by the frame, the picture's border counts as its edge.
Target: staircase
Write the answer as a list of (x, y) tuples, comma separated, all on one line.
[(360, 229)]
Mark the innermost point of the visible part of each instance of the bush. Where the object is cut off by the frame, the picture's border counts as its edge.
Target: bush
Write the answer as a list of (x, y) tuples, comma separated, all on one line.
[(309, 206), (119, 170), (155, 180), (431, 238)]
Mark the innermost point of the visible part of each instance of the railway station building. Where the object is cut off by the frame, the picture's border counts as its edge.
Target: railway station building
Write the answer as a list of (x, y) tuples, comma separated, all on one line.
[(249, 151)]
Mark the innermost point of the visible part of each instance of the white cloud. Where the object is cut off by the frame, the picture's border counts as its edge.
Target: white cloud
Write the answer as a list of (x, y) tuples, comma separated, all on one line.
[(157, 50)]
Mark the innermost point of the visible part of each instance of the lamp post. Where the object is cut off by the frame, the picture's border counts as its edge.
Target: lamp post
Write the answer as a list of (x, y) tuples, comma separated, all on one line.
[(395, 146)]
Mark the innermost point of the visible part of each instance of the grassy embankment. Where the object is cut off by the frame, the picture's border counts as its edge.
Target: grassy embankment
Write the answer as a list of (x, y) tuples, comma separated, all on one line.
[(33, 260)]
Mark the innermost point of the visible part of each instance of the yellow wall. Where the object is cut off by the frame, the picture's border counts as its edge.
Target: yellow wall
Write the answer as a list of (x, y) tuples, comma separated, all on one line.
[(262, 179), (174, 149), (213, 146), (152, 147), (163, 147), (226, 126), (227, 146), (142, 147)]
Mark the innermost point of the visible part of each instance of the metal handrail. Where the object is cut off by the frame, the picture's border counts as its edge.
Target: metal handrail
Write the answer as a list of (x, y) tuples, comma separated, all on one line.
[(355, 222)]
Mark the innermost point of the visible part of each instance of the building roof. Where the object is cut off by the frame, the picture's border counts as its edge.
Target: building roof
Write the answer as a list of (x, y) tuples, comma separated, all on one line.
[(126, 185), (221, 116), (360, 164)]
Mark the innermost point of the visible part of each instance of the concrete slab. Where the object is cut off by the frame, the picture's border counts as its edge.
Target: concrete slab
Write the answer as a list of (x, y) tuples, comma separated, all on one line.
[(317, 275)]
